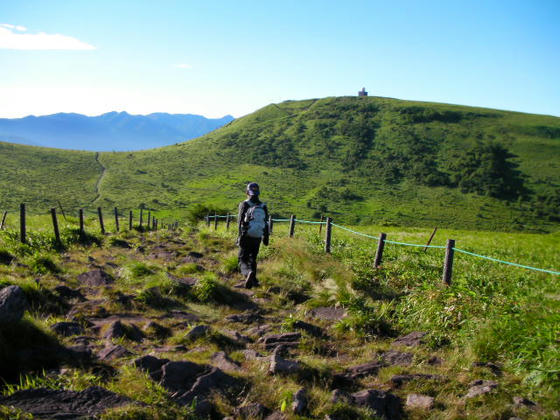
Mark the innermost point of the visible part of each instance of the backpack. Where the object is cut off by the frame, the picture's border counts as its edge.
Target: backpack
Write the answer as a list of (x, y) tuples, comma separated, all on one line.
[(255, 220)]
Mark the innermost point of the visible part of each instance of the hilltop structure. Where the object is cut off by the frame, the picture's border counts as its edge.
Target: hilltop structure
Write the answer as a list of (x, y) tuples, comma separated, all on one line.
[(362, 92)]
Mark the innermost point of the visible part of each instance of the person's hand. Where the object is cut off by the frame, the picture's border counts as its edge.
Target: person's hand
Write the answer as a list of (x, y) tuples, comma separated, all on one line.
[(265, 241)]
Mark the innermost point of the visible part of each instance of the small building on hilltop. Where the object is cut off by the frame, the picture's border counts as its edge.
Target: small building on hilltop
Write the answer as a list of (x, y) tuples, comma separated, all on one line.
[(362, 92)]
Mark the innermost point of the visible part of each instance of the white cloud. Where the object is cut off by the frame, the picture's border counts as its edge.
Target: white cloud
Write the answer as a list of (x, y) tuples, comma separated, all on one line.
[(184, 66), (12, 39)]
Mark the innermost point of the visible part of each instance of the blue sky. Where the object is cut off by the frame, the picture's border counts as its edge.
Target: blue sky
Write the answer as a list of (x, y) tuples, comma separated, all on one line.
[(216, 57)]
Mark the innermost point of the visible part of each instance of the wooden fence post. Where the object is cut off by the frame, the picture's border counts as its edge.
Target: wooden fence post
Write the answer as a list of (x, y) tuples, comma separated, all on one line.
[(379, 252), (141, 217), (3, 220), (292, 225), (448, 262), (208, 220), (430, 240), (215, 221), (228, 221), (117, 219), (55, 226), (81, 217), (321, 224), (22, 230), (101, 225), (130, 220), (270, 225), (61, 209), (328, 231), (148, 224)]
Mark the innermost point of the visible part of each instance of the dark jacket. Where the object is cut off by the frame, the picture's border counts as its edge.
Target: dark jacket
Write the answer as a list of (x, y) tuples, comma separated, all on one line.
[(242, 226)]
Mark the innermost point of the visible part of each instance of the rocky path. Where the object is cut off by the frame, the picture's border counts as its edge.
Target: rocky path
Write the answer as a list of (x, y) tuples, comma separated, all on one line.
[(162, 310)]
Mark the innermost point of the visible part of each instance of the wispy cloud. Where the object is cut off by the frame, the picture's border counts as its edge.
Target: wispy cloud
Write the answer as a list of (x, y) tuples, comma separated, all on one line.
[(183, 66), (13, 38)]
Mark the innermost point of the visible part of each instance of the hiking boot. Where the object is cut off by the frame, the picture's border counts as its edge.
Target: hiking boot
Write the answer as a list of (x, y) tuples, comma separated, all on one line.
[(251, 280)]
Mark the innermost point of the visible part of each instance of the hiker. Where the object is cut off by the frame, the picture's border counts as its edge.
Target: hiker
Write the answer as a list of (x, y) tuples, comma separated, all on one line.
[(253, 227)]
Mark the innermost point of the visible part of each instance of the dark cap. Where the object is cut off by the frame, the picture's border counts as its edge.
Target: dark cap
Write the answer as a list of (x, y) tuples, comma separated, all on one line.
[(253, 188)]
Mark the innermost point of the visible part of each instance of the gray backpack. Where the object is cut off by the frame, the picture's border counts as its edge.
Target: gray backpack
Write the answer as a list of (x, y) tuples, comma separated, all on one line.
[(255, 219)]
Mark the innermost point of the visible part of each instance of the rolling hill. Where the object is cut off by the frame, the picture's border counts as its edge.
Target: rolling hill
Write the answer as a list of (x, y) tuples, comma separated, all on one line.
[(117, 131), (361, 160)]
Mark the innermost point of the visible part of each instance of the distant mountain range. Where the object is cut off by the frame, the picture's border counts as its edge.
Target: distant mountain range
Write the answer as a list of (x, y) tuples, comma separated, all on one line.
[(113, 131)]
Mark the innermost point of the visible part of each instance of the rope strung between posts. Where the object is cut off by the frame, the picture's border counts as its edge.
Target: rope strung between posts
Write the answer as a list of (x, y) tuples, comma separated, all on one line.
[(506, 262), (310, 222), (355, 232), (417, 245)]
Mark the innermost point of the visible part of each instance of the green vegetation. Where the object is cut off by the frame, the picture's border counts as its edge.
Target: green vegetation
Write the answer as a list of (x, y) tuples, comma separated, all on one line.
[(360, 160)]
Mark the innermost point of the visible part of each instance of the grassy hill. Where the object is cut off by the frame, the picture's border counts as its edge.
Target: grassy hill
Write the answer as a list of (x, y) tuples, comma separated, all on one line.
[(361, 160)]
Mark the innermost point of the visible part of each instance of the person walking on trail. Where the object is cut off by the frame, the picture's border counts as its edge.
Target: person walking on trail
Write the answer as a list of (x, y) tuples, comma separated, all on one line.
[(253, 228)]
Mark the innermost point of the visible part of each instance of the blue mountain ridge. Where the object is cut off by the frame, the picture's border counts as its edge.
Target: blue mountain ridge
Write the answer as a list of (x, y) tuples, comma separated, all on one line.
[(113, 131)]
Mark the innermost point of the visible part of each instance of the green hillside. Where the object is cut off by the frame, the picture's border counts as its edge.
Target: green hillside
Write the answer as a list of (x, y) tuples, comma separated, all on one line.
[(361, 160)]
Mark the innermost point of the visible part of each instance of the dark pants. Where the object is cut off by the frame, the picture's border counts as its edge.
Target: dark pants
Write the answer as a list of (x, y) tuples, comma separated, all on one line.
[(248, 251)]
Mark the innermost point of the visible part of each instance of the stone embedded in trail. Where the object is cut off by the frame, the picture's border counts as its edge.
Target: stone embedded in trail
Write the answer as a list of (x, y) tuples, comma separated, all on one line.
[(192, 257), (221, 360), (259, 330), (182, 315), (12, 304), (215, 380), (49, 403), (413, 339), (67, 329), (152, 365), (311, 329), (112, 352), (276, 415), (117, 330), (247, 317), (68, 293), (396, 358), (251, 354), (299, 405), (496, 370), (398, 380), (328, 313), (420, 401), (252, 411), (435, 361), (183, 283), (180, 376), (356, 372), (272, 341), (156, 330), (237, 338), (281, 365), (197, 332), (340, 396), (383, 403), (480, 387), (95, 278)]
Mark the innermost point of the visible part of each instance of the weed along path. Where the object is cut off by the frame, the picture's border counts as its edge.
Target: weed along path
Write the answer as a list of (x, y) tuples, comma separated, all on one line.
[(155, 324), (99, 180)]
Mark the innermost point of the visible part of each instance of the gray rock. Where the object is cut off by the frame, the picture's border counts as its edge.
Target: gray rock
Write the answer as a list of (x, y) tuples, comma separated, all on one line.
[(112, 352), (239, 339), (435, 361), (252, 411), (328, 313), (340, 396), (68, 293), (67, 329), (152, 365), (299, 405), (180, 376), (272, 341), (356, 372), (221, 360), (523, 402), (412, 340), (213, 381), (95, 278), (259, 330), (384, 404), (397, 358), (496, 370), (276, 415), (247, 317), (251, 354), (419, 401), (156, 330), (480, 387), (12, 304), (398, 380), (197, 332), (309, 328), (48, 403), (281, 365)]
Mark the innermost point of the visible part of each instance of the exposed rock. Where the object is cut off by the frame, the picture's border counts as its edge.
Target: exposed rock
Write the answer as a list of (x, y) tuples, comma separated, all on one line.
[(259, 330), (221, 360), (117, 330), (185, 316), (281, 365), (120, 243), (328, 313), (236, 337), (397, 358), (68, 293), (163, 255), (252, 411), (251, 354), (152, 365), (183, 283), (419, 401), (276, 415), (299, 405), (412, 340), (521, 401), (197, 332), (496, 370), (180, 376), (247, 317), (67, 329), (384, 404), (95, 278), (435, 361), (309, 328), (158, 331), (480, 387), (6, 258), (398, 380), (49, 403), (355, 372), (169, 349), (12, 304), (272, 341), (112, 352), (215, 380)]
